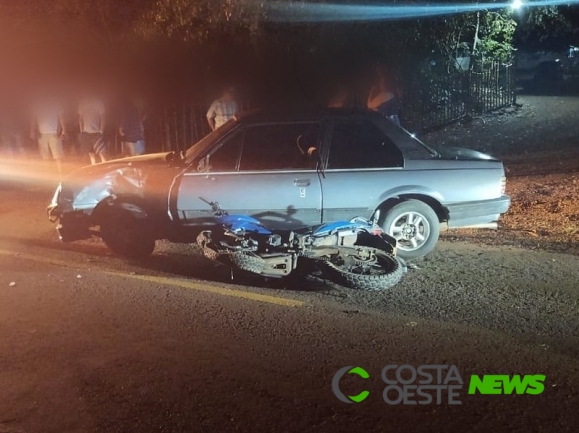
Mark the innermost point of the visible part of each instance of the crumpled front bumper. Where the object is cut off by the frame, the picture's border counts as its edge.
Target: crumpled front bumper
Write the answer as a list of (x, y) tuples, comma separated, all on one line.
[(72, 226), (53, 212)]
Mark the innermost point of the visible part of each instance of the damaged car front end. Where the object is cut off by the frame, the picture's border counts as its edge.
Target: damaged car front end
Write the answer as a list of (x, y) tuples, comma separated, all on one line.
[(118, 201)]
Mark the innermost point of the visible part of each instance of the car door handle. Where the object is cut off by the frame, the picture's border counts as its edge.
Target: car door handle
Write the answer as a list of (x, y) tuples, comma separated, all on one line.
[(301, 182)]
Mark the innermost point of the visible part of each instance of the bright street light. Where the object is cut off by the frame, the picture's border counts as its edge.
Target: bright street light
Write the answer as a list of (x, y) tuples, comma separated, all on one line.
[(516, 5)]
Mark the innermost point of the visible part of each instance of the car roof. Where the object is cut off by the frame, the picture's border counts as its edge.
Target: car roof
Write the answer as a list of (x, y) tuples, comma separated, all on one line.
[(405, 142), (301, 114)]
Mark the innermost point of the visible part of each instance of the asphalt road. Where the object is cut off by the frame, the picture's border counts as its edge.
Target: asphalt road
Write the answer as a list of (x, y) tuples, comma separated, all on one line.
[(91, 343)]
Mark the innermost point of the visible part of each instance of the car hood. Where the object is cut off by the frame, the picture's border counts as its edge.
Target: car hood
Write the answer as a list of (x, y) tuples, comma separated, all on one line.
[(143, 177), (460, 153), (141, 162)]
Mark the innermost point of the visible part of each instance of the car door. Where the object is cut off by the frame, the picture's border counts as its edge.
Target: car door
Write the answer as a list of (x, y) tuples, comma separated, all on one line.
[(260, 170), (362, 163)]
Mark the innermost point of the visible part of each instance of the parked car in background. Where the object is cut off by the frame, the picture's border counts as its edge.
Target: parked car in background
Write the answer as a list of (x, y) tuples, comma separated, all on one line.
[(288, 169), (548, 78)]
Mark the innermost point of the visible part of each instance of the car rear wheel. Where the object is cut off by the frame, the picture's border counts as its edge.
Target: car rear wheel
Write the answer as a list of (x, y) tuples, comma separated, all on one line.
[(126, 235), (415, 226)]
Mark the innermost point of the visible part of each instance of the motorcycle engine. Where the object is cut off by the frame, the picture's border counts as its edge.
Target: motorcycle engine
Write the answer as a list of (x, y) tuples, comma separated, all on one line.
[(343, 238), (243, 244), (274, 240)]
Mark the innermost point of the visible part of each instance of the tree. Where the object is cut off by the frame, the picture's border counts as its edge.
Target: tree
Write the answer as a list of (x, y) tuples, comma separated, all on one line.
[(547, 27), (196, 21), (496, 41)]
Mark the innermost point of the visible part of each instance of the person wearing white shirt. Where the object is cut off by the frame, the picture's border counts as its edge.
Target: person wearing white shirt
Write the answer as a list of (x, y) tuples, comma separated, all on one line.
[(91, 115), (222, 109), (48, 128)]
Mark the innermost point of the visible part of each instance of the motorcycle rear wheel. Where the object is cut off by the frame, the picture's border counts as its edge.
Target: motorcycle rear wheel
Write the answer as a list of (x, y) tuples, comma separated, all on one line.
[(363, 268)]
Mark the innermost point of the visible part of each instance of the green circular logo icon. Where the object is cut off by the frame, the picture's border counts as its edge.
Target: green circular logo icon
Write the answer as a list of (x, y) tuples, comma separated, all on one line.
[(359, 371)]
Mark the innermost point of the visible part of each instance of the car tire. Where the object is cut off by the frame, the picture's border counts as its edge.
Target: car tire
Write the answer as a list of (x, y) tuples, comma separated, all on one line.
[(126, 235), (415, 226)]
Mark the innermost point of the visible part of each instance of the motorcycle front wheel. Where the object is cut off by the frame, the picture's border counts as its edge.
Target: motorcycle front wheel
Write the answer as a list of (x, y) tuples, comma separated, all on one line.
[(363, 269), (248, 262)]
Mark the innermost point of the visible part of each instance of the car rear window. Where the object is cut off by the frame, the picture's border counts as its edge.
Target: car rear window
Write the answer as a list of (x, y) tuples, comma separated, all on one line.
[(359, 143)]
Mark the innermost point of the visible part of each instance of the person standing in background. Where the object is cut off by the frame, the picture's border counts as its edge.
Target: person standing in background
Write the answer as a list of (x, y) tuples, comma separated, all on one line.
[(48, 127), (384, 97), (71, 141), (11, 127), (91, 115), (132, 129), (222, 109)]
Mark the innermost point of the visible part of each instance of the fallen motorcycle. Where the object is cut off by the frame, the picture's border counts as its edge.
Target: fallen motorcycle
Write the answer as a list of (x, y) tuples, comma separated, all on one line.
[(356, 253)]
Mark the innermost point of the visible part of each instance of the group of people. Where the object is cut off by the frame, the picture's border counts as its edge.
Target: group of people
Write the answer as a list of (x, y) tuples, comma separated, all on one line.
[(83, 129), (61, 130), (49, 127), (79, 130)]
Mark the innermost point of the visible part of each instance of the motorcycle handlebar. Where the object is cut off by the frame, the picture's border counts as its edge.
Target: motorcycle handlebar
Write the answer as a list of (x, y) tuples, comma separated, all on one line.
[(214, 205)]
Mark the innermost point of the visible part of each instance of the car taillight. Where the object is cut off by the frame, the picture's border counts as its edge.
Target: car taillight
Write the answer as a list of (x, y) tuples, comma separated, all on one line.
[(503, 185)]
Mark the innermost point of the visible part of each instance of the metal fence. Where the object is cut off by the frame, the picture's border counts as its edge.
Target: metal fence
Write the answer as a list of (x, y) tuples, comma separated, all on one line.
[(177, 126), (434, 100)]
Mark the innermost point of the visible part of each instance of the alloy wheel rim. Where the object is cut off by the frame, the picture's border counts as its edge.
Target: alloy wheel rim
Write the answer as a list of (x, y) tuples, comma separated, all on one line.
[(411, 230)]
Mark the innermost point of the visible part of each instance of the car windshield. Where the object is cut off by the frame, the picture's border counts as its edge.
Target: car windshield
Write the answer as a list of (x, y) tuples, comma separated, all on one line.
[(202, 145)]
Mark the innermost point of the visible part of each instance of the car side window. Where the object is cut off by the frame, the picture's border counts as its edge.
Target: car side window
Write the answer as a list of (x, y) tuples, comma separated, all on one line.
[(361, 144), (224, 156), (283, 146)]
